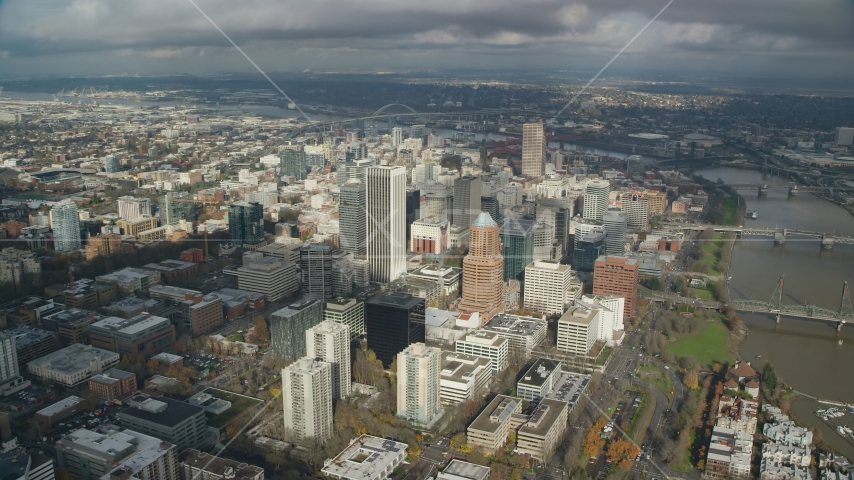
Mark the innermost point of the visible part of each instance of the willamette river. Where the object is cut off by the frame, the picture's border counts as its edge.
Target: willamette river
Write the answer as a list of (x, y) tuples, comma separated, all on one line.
[(809, 355)]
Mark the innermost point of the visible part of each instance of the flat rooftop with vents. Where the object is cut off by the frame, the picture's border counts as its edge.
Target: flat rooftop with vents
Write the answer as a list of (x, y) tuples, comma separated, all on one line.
[(366, 458)]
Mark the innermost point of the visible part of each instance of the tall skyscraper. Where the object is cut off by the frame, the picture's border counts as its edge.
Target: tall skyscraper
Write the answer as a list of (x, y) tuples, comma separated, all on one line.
[(636, 208), (533, 149), (393, 321), (307, 399), (418, 371), (131, 208), (316, 266), (617, 276), (396, 136), (111, 164), (386, 225), (596, 199), (467, 192), (352, 217), (587, 249), (483, 269), (413, 211), (8, 357), (288, 327), (330, 342), (65, 222), (246, 223), (517, 240), (293, 163), (615, 223)]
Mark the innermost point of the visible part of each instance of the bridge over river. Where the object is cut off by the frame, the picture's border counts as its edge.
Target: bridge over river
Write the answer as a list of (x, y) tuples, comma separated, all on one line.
[(774, 306), (780, 234)]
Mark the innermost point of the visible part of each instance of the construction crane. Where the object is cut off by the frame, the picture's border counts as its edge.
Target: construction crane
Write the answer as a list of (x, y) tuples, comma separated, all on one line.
[(204, 204)]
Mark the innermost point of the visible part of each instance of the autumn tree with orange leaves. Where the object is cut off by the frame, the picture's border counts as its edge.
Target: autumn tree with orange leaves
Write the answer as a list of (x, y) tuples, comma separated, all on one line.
[(594, 442), (622, 452)]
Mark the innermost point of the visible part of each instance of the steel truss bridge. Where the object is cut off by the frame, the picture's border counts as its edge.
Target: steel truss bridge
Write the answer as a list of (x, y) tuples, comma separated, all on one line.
[(779, 234), (775, 306), (793, 189), (382, 114)]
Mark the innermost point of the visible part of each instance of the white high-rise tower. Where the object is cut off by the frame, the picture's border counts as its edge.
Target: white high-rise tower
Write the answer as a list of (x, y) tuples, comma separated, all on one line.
[(596, 199), (330, 342), (418, 371), (386, 225), (307, 397), (66, 226), (396, 136)]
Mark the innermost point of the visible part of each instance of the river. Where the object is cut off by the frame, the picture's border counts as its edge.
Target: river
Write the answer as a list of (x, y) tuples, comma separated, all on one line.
[(809, 355)]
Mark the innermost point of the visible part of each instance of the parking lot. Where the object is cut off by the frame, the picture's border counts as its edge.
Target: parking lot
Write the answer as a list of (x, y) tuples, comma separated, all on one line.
[(98, 420), (204, 363), (569, 387)]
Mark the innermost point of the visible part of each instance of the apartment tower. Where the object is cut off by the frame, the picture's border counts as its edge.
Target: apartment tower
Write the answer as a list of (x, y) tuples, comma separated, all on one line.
[(330, 342), (533, 149), (617, 276)]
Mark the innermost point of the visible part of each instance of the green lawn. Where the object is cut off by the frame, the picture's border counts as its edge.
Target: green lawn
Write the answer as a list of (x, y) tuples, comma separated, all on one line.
[(658, 378), (711, 251), (32, 195), (708, 345), (730, 207), (701, 294), (239, 404)]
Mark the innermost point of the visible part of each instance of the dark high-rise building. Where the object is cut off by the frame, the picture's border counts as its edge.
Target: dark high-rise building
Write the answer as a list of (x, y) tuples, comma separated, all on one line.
[(393, 320), (587, 249), (557, 213), (246, 223), (466, 200), (413, 211), (517, 240), (352, 217), (490, 206), (288, 326), (293, 163)]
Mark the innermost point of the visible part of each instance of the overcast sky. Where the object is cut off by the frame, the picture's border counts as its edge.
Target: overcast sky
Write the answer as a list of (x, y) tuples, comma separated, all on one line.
[(744, 37)]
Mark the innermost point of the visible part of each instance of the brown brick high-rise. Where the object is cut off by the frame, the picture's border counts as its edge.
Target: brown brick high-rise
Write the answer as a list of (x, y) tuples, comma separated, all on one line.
[(483, 270), (617, 276)]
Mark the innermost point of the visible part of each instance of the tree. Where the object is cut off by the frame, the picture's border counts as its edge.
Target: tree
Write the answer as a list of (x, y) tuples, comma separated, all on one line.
[(622, 452), (769, 376), (689, 378), (230, 430), (261, 331), (593, 441)]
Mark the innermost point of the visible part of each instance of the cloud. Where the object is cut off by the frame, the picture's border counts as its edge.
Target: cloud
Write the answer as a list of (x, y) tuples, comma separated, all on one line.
[(446, 33)]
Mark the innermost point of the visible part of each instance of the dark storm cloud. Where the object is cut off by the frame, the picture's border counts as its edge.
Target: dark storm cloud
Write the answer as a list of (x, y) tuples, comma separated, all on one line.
[(384, 33)]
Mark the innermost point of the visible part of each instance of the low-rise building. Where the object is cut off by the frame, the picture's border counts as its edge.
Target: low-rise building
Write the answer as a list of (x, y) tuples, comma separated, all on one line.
[(19, 465), (769, 470), (169, 360), (32, 343), (72, 325), (91, 455), (522, 333), (73, 365), (176, 422), (142, 334), (460, 470), (486, 344), (198, 313), (490, 429), (787, 454), (540, 435), (204, 466), (539, 380), (129, 280), (788, 434), (270, 276), (113, 384), (463, 377), (366, 458), (448, 277), (64, 408)]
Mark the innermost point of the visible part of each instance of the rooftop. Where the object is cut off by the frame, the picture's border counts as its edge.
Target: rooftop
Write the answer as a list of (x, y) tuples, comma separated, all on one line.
[(163, 411), (365, 457), (71, 318), (221, 466), (59, 406), (458, 367), (74, 358), (131, 326), (498, 411), (26, 336), (539, 372), (515, 324), (461, 470), (543, 417), (517, 227), (396, 299), (579, 315)]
